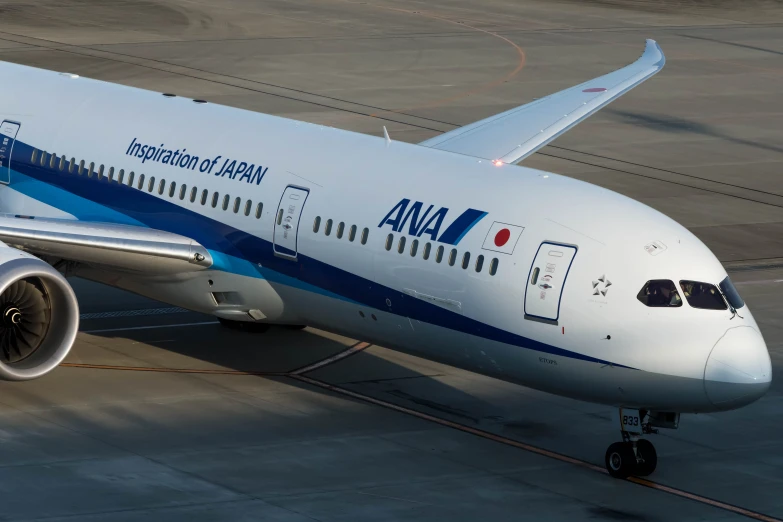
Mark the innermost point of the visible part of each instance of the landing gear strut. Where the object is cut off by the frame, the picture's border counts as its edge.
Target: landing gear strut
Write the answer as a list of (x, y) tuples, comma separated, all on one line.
[(635, 455)]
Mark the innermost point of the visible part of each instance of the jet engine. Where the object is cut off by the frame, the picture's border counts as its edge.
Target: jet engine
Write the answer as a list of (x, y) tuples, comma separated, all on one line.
[(39, 316)]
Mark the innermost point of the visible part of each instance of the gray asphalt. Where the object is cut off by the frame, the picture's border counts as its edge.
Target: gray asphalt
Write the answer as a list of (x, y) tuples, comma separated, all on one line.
[(213, 435)]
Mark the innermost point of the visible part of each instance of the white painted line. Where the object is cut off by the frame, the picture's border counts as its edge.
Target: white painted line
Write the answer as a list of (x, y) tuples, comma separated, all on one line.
[(149, 327), (764, 282)]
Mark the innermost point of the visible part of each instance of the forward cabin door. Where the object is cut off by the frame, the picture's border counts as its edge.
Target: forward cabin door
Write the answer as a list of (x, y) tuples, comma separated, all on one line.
[(546, 281), (287, 222), (8, 131)]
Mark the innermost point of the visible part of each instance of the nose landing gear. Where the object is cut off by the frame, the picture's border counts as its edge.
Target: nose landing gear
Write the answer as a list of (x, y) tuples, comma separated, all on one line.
[(635, 455)]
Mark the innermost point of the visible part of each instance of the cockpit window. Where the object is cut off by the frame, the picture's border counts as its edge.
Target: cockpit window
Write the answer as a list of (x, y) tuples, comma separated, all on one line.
[(730, 291), (659, 293), (703, 295)]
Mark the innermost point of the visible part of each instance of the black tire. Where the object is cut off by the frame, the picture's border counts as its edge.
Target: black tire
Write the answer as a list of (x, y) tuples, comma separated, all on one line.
[(244, 326), (649, 458), (620, 460)]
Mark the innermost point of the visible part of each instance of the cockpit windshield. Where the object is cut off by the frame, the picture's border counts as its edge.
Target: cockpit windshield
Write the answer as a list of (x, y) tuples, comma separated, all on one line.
[(703, 295), (730, 291), (659, 293)]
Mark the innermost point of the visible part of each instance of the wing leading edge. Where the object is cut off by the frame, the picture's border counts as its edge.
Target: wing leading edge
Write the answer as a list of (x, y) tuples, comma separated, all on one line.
[(515, 134)]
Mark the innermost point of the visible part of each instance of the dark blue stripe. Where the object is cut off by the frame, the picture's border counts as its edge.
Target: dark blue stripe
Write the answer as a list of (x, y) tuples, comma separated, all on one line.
[(162, 214), (461, 225)]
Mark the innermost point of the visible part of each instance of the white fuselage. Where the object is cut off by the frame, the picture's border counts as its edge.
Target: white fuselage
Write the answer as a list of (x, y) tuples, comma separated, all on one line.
[(585, 336)]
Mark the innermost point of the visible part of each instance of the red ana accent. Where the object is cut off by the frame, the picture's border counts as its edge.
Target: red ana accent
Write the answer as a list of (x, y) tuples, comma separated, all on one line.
[(595, 89), (564, 330), (502, 237)]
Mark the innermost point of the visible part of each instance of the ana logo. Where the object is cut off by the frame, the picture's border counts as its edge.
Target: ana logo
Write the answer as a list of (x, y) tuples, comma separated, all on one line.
[(417, 220)]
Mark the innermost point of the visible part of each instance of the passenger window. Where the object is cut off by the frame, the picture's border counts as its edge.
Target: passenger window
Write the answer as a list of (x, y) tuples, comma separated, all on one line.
[(317, 224), (479, 263), (34, 156), (151, 184), (452, 256), (141, 182), (183, 189), (62, 163), (111, 173), (534, 277), (81, 167), (248, 206), (426, 253), (328, 229), (193, 194), (161, 186), (280, 217), (100, 172), (493, 266), (71, 165), (173, 189), (732, 296), (236, 205), (465, 260), (259, 209), (91, 170), (414, 247), (703, 295), (352, 233), (43, 158), (121, 176), (130, 178), (439, 254), (51, 161), (340, 229), (659, 293), (389, 241), (226, 199), (401, 245), (204, 194), (215, 198), (365, 234)]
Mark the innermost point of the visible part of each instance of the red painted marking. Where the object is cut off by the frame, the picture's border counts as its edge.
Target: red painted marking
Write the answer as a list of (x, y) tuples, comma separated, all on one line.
[(595, 89), (502, 237), (564, 330)]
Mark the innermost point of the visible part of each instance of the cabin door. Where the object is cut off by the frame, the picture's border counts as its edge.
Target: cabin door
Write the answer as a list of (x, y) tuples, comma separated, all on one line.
[(546, 281), (287, 222), (8, 130)]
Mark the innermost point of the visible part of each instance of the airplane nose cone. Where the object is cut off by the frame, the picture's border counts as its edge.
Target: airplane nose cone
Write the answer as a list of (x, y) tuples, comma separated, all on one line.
[(738, 370)]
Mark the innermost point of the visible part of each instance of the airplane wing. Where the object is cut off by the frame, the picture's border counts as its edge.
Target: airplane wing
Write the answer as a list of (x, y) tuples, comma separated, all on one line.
[(513, 135), (123, 247)]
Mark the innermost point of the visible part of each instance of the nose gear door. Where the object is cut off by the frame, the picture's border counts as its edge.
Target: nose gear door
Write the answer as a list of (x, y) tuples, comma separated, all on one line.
[(8, 130), (546, 281), (287, 222)]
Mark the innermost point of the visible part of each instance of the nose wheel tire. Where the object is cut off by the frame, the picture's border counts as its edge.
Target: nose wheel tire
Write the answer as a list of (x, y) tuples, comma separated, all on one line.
[(620, 460), (244, 326), (647, 458)]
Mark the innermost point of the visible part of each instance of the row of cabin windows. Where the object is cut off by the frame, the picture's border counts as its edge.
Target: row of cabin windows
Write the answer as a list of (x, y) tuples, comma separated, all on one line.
[(426, 251), (340, 229), (71, 166)]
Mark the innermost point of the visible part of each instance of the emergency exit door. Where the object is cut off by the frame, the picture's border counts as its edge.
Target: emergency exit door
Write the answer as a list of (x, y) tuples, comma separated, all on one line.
[(8, 130), (546, 281), (287, 222)]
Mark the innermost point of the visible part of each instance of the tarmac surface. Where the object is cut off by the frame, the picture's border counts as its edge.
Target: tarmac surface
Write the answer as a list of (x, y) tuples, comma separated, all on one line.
[(160, 413)]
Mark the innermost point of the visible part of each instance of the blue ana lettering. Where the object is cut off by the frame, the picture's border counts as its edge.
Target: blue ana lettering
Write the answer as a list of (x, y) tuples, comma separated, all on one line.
[(418, 224)]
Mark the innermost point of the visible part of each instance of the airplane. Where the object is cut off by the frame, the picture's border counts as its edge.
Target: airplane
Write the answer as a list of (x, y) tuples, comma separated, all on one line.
[(446, 249)]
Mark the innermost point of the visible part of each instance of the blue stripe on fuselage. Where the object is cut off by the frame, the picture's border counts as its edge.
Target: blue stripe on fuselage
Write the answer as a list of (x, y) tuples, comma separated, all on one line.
[(307, 273)]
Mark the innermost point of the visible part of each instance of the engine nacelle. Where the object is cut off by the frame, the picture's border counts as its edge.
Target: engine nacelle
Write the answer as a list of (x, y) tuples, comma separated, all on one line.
[(39, 316)]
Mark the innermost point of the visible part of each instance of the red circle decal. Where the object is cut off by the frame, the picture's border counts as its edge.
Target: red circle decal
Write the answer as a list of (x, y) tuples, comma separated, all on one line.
[(502, 237)]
